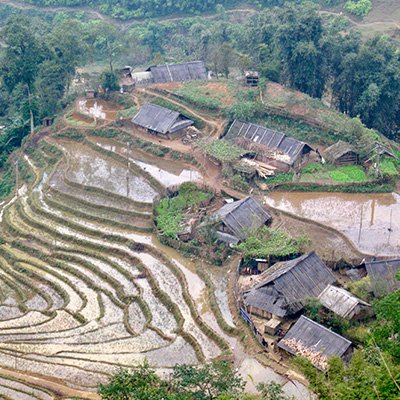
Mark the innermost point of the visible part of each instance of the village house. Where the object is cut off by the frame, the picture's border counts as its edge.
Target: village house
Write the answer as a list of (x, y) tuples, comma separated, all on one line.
[(160, 120), (383, 275), (344, 303), (284, 289), (182, 72), (238, 220), (315, 342), (268, 146), (341, 153)]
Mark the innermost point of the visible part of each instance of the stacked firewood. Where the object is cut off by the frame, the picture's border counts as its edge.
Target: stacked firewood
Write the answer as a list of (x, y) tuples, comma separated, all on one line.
[(316, 357)]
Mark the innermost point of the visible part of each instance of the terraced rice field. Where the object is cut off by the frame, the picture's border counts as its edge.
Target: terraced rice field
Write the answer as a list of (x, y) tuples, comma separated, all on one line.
[(83, 290)]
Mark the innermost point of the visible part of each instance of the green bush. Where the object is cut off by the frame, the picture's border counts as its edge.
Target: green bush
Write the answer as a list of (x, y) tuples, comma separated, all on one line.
[(221, 150), (348, 173), (388, 168), (361, 8)]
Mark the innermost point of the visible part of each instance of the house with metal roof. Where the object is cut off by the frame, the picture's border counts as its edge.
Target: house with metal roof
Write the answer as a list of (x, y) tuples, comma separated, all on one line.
[(383, 275), (315, 342), (189, 71), (267, 145), (238, 220), (343, 303), (341, 153), (284, 289), (160, 120)]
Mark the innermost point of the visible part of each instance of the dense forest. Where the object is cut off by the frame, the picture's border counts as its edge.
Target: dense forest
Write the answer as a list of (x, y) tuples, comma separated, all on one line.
[(128, 9)]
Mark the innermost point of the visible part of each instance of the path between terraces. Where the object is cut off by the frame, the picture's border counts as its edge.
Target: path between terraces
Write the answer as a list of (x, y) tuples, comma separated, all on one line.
[(58, 388)]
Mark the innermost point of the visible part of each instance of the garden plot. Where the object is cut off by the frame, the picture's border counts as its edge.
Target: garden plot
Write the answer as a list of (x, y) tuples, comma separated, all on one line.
[(90, 168)]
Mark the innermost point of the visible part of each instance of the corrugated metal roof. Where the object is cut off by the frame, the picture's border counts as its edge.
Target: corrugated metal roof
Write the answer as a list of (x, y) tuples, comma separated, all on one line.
[(160, 119), (243, 217), (287, 286), (272, 140), (340, 301), (383, 275), (190, 71), (316, 338)]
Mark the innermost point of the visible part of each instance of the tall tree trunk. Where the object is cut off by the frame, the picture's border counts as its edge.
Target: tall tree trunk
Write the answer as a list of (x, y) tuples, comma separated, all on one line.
[(30, 110)]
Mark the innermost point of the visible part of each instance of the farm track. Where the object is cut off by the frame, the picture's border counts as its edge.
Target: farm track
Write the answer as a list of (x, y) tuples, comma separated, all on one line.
[(86, 292)]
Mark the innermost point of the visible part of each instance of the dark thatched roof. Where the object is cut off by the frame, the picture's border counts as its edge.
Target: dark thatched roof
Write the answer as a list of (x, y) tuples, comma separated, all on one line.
[(383, 275), (242, 217), (160, 119), (286, 287), (315, 337), (190, 71), (278, 145), (337, 150)]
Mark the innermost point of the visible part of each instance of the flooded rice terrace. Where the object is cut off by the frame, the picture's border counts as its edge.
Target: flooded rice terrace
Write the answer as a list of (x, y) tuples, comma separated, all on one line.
[(370, 221), (91, 168), (166, 172)]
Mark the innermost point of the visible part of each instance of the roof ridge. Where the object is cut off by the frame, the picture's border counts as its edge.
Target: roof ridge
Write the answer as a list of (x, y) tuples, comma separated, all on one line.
[(324, 328)]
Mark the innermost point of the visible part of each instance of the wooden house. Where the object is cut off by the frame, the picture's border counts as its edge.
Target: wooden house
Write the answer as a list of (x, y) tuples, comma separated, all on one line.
[(238, 220), (341, 153), (251, 78), (268, 146), (315, 342), (383, 275), (343, 303), (285, 288), (189, 71), (160, 120)]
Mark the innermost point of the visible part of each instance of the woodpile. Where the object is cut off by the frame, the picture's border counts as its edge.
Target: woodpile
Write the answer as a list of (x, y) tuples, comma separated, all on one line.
[(262, 169), (316, 357)]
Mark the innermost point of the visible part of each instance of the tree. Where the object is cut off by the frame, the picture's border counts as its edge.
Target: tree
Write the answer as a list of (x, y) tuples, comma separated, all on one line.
[(386, 331), (299, 35), (109, 81), (141, 383), (208, 381), (272, 391)]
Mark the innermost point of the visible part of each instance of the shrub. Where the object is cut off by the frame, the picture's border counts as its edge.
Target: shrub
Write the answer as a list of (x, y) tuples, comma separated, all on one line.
[(361, 8)]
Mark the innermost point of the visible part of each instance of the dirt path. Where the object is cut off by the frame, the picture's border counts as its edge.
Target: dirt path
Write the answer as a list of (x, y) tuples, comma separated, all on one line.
[(392, 22), (94, 14), (58, 388)]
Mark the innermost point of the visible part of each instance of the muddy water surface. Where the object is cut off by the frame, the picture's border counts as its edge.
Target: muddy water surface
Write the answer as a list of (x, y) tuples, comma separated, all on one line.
[(370, 221), (90, 168), (166, 172)]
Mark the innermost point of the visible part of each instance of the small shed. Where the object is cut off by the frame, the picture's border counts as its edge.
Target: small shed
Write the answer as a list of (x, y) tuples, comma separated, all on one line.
[(343, 303), (285, 288), (189, 71), (238, 220), (48, 121), (267, 145), (315, 342), (251, 78), (341, 153), (383, 275), (160, 120), (90, 93)]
